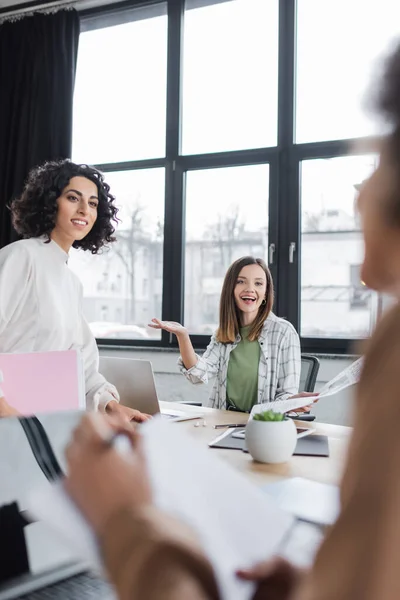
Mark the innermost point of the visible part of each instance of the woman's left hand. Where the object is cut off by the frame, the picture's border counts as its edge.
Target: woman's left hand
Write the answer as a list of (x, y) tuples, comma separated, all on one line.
[(101, 480), (306, 407), (127, 414)]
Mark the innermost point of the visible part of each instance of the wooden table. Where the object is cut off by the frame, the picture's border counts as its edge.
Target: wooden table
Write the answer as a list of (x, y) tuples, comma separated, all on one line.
[(325, 470)]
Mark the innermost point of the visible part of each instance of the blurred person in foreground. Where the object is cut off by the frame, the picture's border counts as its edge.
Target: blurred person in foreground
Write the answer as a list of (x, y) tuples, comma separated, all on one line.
[(151, 555)]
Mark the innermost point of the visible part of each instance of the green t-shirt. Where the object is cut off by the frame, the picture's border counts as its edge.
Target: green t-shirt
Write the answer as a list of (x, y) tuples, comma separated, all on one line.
[(242, 377)]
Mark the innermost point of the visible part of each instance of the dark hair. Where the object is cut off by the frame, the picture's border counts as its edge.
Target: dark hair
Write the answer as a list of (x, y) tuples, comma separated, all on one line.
[(386, 102), (34, 212), (229, 318)]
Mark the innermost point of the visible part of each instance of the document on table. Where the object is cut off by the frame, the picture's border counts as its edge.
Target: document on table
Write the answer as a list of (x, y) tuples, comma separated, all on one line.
[(344, 379), (237, 524)]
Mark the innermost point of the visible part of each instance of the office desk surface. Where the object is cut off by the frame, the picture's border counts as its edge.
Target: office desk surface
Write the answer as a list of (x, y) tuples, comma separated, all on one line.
[(324, 470)]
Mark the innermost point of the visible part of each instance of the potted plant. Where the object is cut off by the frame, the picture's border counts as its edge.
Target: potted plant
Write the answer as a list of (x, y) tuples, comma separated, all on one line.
[(271, 437)]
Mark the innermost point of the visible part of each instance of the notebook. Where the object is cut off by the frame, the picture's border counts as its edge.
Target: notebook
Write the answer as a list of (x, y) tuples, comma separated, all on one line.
[(311, 445), (37, 382)]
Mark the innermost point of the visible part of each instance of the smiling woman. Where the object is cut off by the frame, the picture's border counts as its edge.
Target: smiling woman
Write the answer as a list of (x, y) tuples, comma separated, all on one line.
[(55, 193), (254, 355), (62, 205), (77, 212)]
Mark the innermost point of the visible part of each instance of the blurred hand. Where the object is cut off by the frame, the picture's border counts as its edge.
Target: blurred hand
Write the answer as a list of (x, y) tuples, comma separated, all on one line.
[(101, 480), (306, 407), (6, 410), (277, 579), (170, 326), (127, 414)]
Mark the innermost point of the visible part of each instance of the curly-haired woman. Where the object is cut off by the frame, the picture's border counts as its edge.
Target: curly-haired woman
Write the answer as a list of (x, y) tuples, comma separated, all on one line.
[(63, 205)]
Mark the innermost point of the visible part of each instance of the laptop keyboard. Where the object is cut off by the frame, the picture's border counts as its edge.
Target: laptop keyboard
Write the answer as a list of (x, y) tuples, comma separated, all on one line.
[(81, 587)]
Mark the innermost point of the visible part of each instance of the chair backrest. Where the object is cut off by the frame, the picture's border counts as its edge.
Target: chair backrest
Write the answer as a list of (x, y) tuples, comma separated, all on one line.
[(309, 372)]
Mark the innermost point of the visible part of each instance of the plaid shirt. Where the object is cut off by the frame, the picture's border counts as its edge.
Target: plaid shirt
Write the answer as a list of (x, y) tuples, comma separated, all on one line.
[(278, 369)]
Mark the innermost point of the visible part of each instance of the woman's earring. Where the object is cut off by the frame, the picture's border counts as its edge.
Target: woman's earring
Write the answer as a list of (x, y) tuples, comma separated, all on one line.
[(264, 302)]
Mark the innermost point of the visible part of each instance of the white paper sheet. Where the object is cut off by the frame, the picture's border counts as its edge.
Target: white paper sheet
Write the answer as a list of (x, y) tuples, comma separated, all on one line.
[(344, 379), (307, 500), (347, 377), (237, 524)]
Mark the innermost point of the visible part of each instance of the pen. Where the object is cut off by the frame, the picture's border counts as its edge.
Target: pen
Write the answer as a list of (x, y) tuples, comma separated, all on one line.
[(230, 425)]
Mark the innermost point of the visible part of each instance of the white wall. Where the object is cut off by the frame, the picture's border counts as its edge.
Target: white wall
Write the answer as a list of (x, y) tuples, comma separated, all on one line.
[(173, 387), (334, 409)]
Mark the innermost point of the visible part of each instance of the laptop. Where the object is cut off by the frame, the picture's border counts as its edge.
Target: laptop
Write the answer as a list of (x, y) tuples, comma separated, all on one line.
[(69, 580), (134, 380), (55, 569)]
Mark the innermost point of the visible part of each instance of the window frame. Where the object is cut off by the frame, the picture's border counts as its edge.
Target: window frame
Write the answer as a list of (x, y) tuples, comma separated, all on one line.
[(284, 162)]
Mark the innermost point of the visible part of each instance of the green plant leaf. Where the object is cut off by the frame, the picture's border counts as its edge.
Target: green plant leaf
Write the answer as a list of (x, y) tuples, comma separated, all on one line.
[(269, 415)]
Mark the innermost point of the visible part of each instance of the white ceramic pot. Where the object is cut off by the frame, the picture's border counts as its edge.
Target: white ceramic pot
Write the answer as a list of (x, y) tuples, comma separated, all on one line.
[(271, 441)]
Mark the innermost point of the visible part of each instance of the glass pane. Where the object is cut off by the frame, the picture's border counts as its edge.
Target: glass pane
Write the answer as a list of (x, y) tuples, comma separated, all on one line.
[(334, 301), (339, 46), (226, 218), (123, 285), (120, 93), (230, 76)]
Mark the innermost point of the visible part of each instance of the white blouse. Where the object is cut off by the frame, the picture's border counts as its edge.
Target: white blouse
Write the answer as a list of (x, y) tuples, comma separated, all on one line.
[(41, 310)]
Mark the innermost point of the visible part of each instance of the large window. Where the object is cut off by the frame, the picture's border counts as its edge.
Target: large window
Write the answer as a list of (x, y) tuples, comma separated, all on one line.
[(227, 128), (334, 301), (123, 284), (230, 76), (120, 92), (226, 218), (339, 46), (119, 117)]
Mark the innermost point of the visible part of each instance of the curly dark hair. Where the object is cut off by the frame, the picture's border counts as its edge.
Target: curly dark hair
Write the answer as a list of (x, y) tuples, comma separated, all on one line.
[(34, 212), (387, 96), (386, 102)]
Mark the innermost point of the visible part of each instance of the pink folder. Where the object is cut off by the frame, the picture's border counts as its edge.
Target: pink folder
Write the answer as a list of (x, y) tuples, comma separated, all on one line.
[(43, 381)]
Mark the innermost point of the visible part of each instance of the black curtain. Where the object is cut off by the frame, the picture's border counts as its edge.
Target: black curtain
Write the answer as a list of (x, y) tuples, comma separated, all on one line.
[(37, 73)]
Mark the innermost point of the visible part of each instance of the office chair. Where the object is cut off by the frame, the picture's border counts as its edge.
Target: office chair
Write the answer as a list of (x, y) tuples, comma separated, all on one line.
[(308, 378), (309, 372)]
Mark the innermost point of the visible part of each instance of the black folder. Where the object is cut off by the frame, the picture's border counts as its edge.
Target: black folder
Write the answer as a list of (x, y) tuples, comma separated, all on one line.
[(310, 445)]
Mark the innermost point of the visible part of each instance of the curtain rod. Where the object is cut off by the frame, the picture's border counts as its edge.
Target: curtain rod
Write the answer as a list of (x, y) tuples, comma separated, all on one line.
[(16, 13), (26, 9)]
